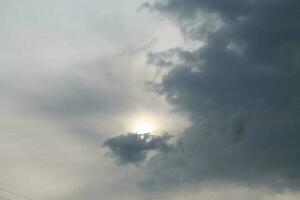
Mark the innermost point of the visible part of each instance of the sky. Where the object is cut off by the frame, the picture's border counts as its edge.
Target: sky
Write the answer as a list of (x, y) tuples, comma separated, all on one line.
[(150, 99)]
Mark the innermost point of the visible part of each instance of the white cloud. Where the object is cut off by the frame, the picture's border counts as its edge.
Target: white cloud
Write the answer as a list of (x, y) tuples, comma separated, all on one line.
[(51, 52)]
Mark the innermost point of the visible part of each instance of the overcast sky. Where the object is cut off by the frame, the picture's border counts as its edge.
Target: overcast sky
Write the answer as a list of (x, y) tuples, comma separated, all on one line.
[(150, 100)]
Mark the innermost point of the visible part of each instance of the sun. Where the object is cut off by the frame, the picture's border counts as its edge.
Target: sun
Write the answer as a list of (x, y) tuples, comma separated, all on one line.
[(142, 127)]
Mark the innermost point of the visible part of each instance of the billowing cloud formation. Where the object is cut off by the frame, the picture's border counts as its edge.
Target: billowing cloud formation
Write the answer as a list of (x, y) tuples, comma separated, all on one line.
[(133, 148), (241, 89)]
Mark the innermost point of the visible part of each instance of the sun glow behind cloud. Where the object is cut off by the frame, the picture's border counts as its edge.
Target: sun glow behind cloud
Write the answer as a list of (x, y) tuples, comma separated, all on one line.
[(143, 123), (142, 127)]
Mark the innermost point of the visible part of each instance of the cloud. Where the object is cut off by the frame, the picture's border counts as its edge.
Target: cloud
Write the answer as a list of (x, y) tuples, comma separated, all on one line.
[(76, 96), (62, 81), (241, 90), (133, 148), (135, 50)]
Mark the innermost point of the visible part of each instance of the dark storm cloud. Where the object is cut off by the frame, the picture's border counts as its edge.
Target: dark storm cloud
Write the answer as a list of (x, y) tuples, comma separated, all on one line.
[(172, 57), (133, 148), (243, 99)]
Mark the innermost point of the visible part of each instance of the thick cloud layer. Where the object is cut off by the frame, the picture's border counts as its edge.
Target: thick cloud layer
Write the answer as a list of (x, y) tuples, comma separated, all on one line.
[(133, 148), (241, 90)]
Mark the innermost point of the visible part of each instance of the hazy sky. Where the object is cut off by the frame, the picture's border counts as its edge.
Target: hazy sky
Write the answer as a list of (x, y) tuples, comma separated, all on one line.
[(150, 100)]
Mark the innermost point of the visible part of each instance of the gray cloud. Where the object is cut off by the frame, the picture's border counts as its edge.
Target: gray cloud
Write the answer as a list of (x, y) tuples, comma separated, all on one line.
[(134, 50), (242, 99), (133, 148), (63, 89), (74, 96)]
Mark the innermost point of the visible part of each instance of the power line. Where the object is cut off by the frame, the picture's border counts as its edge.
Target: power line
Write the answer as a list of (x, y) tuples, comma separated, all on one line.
[(11, 192)]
